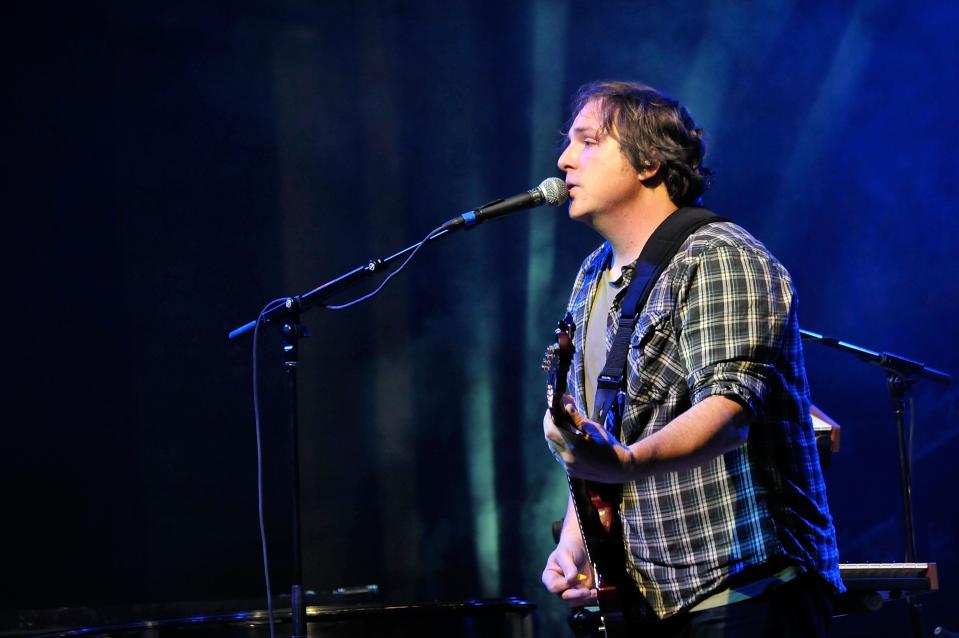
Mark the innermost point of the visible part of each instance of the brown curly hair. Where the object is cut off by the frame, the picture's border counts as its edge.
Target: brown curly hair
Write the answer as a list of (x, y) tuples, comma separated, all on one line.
[(652, 129)]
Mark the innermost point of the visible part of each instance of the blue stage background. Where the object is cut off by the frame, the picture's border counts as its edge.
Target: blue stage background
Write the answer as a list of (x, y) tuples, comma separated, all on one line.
[(175, 166)]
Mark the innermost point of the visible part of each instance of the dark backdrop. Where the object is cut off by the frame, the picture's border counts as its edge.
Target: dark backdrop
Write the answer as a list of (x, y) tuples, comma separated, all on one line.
[(172, 167)]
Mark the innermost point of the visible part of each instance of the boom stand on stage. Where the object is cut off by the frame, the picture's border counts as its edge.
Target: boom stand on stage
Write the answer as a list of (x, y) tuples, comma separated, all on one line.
[(901, 375), (286, 312)]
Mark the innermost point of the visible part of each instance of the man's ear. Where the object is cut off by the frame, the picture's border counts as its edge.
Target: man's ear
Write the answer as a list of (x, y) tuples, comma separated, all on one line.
[(650, 170)]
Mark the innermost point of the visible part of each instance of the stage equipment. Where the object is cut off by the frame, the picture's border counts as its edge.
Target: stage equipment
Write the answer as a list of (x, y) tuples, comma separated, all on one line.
[(507, 617), (901, 374), (286, 311)]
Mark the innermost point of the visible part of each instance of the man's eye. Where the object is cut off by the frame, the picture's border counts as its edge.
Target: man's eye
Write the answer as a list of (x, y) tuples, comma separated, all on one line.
[(589, 142)]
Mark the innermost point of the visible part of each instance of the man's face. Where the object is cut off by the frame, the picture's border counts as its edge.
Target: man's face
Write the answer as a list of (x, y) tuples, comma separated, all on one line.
[(601, 180)]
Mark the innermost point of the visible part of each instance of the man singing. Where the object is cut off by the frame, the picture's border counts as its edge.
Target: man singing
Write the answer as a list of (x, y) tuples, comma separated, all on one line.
[(724, 514)]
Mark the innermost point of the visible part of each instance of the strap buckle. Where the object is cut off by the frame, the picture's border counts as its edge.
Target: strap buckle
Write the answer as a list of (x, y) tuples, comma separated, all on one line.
[(609, 381)]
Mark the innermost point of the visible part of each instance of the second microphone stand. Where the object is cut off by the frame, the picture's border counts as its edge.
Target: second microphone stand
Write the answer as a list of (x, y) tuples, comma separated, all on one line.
[(901, 375)]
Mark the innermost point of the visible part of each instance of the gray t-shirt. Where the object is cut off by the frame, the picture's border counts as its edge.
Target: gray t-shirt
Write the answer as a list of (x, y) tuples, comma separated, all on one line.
[(594, 356)]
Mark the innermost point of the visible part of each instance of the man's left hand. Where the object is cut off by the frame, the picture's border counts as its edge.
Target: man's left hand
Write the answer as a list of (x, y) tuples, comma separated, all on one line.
[(596, 455)]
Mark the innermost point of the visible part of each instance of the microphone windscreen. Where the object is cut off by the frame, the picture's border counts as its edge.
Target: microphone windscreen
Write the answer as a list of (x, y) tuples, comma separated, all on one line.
[(554, 190)]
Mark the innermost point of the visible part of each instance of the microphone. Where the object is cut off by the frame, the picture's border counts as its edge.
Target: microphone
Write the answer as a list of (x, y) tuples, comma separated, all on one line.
[(552, 192)]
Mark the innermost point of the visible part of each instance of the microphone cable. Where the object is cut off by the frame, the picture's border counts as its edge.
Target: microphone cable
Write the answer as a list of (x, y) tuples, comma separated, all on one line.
[(439, 231)]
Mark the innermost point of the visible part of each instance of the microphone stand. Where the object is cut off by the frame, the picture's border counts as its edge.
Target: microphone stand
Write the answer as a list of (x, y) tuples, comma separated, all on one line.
[(551, 191), (901, 374), (288, 314)]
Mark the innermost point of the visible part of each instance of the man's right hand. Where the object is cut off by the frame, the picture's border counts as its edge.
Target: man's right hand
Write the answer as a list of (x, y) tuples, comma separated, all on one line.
[(569, 574)]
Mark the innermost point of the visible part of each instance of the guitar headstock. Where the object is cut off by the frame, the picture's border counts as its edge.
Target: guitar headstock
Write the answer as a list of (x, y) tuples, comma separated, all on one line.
[(558, 358)]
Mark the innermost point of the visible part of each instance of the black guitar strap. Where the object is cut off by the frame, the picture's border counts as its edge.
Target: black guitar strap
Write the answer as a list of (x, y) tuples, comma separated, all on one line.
[(655, 256)]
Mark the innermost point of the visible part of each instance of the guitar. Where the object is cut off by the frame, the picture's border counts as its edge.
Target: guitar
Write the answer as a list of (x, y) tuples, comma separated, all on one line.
[(621, 606)]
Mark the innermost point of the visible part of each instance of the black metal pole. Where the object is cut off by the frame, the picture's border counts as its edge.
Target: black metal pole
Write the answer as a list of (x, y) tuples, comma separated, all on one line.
[(898, 387), (292, 332)]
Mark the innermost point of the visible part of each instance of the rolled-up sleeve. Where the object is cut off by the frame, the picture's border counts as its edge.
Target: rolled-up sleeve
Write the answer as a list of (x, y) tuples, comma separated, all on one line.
[(730, 321)]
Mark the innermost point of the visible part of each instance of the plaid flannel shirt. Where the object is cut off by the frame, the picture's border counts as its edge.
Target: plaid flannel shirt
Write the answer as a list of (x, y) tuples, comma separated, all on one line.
[(721, 320)]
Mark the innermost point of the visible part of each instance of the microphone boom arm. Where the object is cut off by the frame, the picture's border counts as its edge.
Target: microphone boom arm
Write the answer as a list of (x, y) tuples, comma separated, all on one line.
[(551, 191), (320, 294)]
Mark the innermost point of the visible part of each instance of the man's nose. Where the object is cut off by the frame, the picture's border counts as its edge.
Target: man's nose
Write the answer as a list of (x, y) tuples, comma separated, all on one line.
[(565, 161)]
